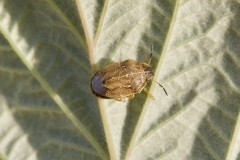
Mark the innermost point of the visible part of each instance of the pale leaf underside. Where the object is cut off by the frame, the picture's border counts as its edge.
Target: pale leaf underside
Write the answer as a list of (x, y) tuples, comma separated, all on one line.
[(48, 50)]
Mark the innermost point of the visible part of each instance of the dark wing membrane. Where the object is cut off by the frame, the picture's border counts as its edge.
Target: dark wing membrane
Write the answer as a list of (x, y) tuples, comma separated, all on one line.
[(96, 86), (101, 96)]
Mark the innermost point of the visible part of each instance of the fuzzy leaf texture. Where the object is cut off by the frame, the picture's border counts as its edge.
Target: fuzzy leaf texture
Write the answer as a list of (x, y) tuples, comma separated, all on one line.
[(50, 49)]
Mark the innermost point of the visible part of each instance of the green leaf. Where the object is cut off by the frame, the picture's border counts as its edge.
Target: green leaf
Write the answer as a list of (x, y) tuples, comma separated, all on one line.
[(49, 51)]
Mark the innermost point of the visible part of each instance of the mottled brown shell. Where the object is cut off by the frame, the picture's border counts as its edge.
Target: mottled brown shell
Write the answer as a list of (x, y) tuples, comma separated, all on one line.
[(121, 80)]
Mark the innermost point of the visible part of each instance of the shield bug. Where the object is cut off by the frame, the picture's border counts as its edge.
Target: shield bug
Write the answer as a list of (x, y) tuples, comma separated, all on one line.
[(123, 79)]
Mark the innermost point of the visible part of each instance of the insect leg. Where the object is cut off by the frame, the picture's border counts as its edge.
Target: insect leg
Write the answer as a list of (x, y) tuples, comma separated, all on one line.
[(122, 99), (145, 90), (131, 96), (150, 57)]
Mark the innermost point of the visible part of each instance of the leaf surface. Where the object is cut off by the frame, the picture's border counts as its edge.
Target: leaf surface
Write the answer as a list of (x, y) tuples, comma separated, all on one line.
[(49, 51)]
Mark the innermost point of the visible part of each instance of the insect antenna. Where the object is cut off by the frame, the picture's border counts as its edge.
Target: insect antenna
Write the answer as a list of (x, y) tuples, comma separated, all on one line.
[(150, 57), (160, 86)]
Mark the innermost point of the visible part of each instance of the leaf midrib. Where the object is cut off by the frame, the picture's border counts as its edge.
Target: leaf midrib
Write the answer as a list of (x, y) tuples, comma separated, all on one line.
[(91, 45)]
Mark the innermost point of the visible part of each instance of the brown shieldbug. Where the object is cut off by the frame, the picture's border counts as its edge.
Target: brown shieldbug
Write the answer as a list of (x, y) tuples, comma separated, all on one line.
[(122, 80)]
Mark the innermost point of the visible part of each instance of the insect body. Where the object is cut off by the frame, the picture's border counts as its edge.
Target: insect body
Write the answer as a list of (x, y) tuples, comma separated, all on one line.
[(122, 80)]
